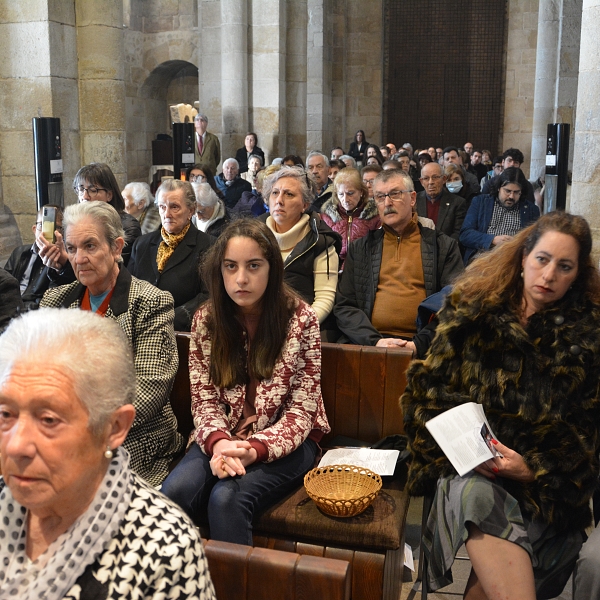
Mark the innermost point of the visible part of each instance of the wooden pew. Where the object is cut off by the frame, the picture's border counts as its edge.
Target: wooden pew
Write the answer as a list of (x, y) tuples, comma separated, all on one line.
[(361, 389), (242, 572)]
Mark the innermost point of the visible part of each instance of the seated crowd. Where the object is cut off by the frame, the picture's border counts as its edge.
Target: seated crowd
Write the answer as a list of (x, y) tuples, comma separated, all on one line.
[(441, 251)]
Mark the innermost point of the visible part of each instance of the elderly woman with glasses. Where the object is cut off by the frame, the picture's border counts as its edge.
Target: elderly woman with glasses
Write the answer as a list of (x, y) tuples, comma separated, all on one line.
[(170, 257), (93, 183), (94, 241), (211, 215), (76, 521)]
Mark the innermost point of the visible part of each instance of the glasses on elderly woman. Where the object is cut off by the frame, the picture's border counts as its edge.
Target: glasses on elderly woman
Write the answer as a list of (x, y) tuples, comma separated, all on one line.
[(92, 191)]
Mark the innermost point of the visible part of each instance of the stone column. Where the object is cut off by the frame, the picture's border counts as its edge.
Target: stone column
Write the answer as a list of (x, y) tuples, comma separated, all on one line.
[(296, 78), (269, 62), (318, 94), (38, 77), (209, 65), (520, 73), (557, 64), (586, 155), (234, 75), (101, 83)]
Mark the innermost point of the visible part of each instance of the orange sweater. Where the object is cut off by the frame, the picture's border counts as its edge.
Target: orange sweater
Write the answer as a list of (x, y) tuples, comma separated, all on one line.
[(401, 286)]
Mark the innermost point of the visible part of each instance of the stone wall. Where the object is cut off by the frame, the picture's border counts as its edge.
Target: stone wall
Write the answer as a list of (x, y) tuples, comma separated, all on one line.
[(357, 71), (161, 58), (38, 77), (520, 77)]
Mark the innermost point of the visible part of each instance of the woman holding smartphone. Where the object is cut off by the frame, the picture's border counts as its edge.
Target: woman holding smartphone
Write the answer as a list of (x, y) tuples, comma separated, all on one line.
[(255, 370)]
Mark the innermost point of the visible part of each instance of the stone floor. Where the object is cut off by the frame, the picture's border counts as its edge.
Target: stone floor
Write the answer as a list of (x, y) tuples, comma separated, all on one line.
[(411, 589)]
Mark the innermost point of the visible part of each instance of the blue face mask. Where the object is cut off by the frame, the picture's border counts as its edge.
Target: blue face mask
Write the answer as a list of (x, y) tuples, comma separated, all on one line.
[(454, 186)]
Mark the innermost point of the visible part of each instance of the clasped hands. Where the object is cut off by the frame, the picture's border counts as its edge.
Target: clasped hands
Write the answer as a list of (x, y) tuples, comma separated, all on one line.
[(231, 457), (508, 463), (52, 255)]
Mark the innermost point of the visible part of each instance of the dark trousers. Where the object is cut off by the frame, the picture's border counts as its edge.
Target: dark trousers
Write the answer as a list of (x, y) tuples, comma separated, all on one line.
[(232, 502)]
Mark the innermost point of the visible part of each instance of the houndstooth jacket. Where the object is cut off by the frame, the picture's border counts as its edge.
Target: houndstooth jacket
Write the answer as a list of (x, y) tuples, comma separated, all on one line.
[(145, 314), (157, 553)]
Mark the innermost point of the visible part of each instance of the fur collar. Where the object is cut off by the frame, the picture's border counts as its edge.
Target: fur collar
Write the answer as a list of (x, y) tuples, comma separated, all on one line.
[(330, 208)]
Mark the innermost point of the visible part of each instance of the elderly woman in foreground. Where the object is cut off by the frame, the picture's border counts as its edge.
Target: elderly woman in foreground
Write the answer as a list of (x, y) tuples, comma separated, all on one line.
[(520, 335), (85, 525), (94, 240)]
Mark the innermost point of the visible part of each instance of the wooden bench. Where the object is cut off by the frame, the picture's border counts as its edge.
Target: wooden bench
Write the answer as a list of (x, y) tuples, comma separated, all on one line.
[(361, 389), (242, 572)]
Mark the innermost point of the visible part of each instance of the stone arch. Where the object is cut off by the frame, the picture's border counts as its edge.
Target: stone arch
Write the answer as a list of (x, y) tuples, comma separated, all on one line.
[(147, 115)]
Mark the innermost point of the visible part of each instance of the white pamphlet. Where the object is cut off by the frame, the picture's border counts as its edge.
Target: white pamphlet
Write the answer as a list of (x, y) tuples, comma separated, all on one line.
[(382, 462), (464, 435)]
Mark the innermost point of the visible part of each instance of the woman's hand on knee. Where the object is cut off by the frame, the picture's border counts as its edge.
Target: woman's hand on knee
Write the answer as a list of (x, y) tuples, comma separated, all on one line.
[(224, 461)]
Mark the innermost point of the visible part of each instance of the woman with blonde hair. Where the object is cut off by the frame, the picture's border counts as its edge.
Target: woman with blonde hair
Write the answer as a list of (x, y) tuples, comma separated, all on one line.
[(350, 212)]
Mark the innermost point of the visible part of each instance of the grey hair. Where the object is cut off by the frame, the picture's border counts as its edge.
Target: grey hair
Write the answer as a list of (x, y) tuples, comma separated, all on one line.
[(101, 213), (92, 351), (173, 185), (315, 153), (231, 160), (140, 192), (205, 195), (260, 160), (385, 176), (201, 117), (308, 185), (345, 157)]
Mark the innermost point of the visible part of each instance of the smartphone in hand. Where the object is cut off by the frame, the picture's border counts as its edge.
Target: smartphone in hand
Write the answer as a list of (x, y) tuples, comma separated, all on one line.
[(49, 223)]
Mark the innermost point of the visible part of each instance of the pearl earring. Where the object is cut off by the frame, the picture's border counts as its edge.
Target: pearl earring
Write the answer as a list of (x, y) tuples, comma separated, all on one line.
[(108, 453)]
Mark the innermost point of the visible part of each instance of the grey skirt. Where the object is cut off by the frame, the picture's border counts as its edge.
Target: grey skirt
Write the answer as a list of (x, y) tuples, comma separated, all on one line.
[(485, 503)]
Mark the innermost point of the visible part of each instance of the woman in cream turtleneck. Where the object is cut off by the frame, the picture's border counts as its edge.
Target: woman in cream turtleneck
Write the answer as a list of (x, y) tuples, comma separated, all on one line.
[(308, 246)]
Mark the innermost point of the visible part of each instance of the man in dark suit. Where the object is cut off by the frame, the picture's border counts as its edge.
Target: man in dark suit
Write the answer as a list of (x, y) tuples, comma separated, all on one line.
[(181, 248), (446, 210), (26, 266), (208, 148)]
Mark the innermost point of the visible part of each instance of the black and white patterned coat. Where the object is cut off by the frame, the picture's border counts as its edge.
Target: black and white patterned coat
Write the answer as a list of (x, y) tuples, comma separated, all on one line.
[(157, 553), (145, 314)]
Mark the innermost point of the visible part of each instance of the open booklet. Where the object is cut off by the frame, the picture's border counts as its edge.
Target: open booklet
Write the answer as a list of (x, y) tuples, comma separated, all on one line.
[(464, 435)]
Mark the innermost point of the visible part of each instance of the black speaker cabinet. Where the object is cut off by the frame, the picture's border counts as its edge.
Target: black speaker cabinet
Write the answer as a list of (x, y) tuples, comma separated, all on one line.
[(48, 161)]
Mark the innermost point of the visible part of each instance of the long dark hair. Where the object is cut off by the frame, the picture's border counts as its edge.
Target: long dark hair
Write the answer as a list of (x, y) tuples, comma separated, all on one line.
[(364, 140), (101, 175), (229, 363)]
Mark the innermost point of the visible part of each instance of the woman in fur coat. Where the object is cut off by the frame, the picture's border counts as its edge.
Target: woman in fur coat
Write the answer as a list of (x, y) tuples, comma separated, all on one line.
[(350, 212), (519, 334)]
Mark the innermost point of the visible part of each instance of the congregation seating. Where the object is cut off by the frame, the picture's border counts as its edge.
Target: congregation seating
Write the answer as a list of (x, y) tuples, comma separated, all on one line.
[(361, 389), (246, 573)]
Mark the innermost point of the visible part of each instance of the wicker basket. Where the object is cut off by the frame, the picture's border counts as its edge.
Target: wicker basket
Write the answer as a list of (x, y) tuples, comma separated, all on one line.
[(342, 490)]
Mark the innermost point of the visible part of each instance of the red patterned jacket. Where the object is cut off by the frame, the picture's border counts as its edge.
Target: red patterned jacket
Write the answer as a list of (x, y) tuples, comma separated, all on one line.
[(288, 406)]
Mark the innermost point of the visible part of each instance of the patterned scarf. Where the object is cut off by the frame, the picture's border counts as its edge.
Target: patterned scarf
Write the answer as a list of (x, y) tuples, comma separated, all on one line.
[(52, 574), (168, 245)]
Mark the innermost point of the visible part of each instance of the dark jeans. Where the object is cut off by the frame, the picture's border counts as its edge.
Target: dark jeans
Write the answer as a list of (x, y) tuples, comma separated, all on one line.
[(232, 502)]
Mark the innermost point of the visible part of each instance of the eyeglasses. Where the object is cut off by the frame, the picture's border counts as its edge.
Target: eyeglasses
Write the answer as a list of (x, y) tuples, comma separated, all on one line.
[(199, 178), (394, 196), (432, 178), (368, 181), (92, 191), (516, 193)]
